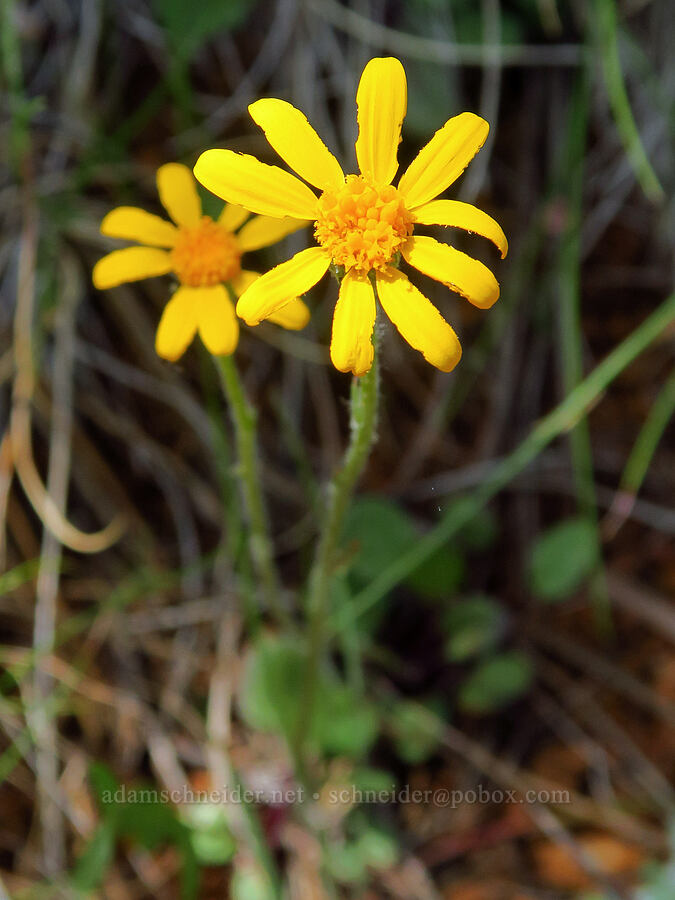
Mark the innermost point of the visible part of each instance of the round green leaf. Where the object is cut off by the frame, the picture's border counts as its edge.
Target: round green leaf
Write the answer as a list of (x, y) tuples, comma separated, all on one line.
[(562, 558), (346, 725), (211, 840), (381, 531), (345, 863), (496, 682), (272, 684), (472, 626), (377, 849), (251, 883), (415, 738), (439, 576)]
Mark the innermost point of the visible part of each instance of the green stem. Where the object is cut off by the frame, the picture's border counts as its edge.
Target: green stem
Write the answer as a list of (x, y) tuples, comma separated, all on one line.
[(647, 441), (363, 420), (561, 419), (607, 38), (244, 417), (571, 335)]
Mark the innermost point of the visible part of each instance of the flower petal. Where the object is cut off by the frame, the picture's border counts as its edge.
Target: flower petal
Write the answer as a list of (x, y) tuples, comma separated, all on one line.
[(463, 215), (418, 320), (294, 315), (178, 194), (456, 270), (217, 322), (178, 324), (244, 180), (443, 159), (130, 264), (381, 99), (296, 142), (243, 280), (282, 284), (262, 231), (133, 224), (233, 216), (351, 345)]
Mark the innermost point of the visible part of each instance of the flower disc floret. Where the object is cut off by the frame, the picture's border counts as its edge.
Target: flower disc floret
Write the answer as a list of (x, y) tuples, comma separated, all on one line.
[(361, 224), (205, 255)]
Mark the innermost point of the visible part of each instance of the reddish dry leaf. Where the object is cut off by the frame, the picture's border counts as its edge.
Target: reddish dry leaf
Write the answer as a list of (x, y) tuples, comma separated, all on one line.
[(557, 867)]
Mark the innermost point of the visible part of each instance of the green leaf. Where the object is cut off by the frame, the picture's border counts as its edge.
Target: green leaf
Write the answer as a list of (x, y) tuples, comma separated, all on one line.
[(377, 848), (472, 626), (382, 533), (439, 576), (189, 24), (415, 736), (132, 813), (251, 884), (346, 725), (562, 558), (272, 684), (496, 683), (375, 781), (209, 835), (92, 864), (345, 862), (149, 823), (271, 695), (21, 574), (105, 785), (481, 531)]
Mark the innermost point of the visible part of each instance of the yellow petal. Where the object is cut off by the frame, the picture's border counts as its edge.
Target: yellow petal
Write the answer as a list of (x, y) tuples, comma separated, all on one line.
[(217, 322), (296, 142), (178, 324), (178, 194), (443, 159), (133, 224), (463, 215), (130, 264), (267, 190), (243, 280), (262, 231), (381, 99), (282, 284), (456, 270), (351, 346), (233, 216), (418, 320), (294, 315)]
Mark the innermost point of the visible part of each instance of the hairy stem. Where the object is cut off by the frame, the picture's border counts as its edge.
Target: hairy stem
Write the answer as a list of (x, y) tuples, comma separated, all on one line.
[(363, 420), (244, 418)]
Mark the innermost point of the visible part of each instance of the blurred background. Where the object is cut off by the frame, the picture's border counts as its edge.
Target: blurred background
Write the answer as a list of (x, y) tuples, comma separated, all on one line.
[(531, 652)]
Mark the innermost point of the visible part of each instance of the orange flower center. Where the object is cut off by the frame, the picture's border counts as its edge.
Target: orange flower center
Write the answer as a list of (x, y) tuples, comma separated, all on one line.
[(361, 224), (206, 254)]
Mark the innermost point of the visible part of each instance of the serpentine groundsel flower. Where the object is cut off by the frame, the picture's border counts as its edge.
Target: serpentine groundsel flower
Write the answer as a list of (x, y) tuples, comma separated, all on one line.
[(204, 255), (362, 223)]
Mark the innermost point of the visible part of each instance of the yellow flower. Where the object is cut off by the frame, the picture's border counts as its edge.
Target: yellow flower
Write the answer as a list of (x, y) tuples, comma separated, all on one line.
[(362, 222), (203, 254)]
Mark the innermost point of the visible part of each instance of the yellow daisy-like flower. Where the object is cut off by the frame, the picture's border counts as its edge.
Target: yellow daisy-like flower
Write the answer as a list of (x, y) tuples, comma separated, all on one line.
[(203, 254), (362, 222)]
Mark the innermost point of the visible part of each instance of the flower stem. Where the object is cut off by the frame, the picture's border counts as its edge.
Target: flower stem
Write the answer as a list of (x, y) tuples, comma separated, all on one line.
[(244, 417), (363, 421)]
